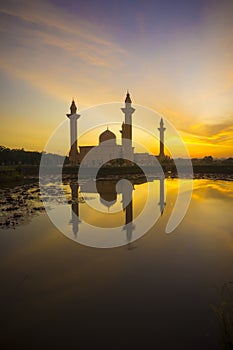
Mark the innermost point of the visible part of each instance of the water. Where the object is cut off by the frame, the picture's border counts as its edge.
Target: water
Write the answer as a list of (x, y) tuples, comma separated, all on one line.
[(154, 292)]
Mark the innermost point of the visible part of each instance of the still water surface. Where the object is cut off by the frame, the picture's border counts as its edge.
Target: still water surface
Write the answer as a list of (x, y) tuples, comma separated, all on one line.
[(155, 290)]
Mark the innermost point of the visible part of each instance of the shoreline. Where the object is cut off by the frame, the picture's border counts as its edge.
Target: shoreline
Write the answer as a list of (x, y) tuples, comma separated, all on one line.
[(21, 173)]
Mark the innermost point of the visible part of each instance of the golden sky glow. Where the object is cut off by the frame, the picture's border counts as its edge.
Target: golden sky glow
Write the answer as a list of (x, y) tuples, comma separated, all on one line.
[(177, 64)]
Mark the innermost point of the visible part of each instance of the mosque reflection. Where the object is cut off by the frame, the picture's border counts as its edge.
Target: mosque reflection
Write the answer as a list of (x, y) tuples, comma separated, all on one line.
[(108, 191)]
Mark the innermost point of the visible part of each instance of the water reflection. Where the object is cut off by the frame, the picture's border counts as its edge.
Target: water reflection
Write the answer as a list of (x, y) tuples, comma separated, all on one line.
[(162, 198), (104, 205), (122, 194), (117, 196), (50, 284), (128, 209), (75, 208)]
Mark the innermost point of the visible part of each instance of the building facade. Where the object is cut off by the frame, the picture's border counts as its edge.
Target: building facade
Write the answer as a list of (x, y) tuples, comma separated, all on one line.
[(108, 151)]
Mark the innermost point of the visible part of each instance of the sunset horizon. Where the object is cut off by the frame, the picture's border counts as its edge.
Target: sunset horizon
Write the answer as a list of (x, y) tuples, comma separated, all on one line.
[(192, 142), (175, 59)]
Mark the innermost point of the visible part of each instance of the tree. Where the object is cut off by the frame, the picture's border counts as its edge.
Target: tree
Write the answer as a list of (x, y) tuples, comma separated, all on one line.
[(208, 159)]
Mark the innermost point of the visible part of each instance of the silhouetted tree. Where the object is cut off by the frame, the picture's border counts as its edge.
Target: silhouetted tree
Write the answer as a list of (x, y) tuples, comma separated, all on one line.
[(208, 159)]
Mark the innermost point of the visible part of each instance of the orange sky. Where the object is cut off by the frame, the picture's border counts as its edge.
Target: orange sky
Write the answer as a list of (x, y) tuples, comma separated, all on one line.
[(179, 64)]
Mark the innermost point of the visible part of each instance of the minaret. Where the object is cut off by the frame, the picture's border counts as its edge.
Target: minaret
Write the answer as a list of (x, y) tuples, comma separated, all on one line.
[(161, 134), (73, 154), (127, 149)]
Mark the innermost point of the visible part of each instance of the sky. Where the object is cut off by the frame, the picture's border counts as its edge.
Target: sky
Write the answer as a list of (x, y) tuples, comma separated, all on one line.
[(175, 57)]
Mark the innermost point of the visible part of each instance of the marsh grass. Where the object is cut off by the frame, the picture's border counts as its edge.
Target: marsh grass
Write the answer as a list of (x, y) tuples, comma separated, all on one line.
[(224, 314)]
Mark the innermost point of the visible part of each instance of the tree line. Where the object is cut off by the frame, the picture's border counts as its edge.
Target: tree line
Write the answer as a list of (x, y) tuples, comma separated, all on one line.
[(17, 156)]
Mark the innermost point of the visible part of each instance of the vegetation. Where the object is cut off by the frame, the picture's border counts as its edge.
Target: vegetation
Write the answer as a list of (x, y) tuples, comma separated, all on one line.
[(10, 174), (18, 156), (21, 157), (16, 164), (209, 160), (224, 314)]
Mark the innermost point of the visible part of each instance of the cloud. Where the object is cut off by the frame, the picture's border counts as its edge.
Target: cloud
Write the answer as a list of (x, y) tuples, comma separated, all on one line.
[(215, 139), (49, 47), (213, 130), (46, 15)]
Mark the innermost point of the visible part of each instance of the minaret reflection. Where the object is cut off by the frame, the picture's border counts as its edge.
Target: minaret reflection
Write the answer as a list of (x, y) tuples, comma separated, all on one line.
[(161, 195), (127, 204), (74, 186), (108, 191)]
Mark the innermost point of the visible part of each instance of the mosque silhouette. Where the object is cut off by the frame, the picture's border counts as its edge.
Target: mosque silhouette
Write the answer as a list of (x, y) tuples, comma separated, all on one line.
[(93, 156)]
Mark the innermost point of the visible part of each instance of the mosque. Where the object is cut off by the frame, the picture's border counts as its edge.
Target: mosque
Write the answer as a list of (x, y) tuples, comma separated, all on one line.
[(108, 149)]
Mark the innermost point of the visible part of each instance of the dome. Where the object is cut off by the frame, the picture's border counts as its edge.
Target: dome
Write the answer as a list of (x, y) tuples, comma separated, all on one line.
[(106, 136)]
